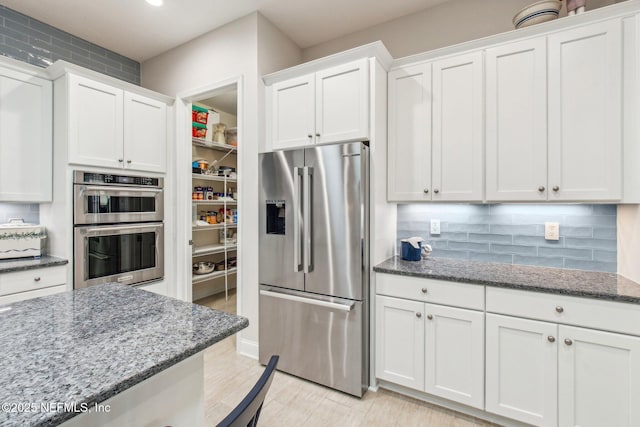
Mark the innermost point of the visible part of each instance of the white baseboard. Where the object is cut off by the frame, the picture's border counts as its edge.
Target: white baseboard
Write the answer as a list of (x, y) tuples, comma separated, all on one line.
[(247, 347)]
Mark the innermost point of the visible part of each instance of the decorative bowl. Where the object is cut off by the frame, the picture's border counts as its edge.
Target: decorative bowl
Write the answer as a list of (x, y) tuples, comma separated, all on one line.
[(203, 267), (542, 11)]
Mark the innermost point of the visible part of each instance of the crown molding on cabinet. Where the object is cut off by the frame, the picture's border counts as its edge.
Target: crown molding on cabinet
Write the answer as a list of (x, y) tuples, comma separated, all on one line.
[(604, 13), (376, 49)]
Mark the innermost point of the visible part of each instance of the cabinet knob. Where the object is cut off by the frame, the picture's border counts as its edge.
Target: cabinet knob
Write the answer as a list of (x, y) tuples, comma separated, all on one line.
[(551, 339), (426, 191), (317, 134), (129, 161), (120, 160), (36, 279), (424, 290), (309, 136), (556, 188), (559, 309), (418, 315), (430, 316), (435, 190), (568, 341), (541, 188)]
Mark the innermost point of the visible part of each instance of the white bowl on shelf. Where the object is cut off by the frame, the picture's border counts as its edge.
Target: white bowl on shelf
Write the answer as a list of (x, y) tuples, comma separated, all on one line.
[(542, 11)]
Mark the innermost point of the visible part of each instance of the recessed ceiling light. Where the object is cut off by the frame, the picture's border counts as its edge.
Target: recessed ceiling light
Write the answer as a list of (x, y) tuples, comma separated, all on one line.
[(155, 2)]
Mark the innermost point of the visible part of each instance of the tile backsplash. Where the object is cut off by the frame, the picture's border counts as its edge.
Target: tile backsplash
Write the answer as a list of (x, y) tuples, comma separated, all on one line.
[(29, 40), (29, 212), (514, 233)]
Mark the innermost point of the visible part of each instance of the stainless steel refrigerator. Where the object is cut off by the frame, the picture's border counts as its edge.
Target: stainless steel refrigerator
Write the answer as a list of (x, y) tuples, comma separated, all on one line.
[(314, 263)]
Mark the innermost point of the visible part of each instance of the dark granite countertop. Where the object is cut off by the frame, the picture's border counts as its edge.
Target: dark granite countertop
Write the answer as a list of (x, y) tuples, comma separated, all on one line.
[(589, 284), (85, 346), (18, 264)]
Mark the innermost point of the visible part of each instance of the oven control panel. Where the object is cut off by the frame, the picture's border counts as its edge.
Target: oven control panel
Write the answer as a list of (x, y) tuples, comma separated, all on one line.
[(102, 178)]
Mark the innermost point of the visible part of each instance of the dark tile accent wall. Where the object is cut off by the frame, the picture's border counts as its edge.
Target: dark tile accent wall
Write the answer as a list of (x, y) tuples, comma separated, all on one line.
[(29, 40), (514, 233), (28, 212)]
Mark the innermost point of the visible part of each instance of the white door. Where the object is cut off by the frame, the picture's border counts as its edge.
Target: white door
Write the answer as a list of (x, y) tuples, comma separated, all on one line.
[(95, 123), (145, 133), (409, 146), (599, 381), (293, 112), (516, 121), (458, 128), (25, 137), (400, 341), (522, 369), (454, 354), (342, 103), (585, 84)]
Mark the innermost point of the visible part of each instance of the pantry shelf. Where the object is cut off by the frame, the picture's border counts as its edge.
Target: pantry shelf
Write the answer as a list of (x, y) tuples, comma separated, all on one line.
[(213, 227), (214, 202), (212, 249), (197, 278), (213, 145), (212, 178)]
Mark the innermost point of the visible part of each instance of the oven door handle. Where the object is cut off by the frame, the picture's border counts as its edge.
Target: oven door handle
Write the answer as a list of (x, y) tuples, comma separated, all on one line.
[(86, 188), (123, 227)]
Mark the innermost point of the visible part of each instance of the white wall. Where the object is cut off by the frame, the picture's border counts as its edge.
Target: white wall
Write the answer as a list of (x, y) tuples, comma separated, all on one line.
[(449, 23), (246, 47)]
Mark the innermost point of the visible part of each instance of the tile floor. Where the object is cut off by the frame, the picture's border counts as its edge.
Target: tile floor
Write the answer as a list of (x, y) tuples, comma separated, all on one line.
[(292, 401)]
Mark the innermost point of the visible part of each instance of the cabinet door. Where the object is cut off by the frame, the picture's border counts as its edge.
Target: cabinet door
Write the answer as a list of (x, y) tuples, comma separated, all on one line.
[(516, 119), (457, 128), (409, 149), (454, 354), (95, 123), (400, 341), (145, 133), (522, 369), (342, 103), (585, 143), (25, 137), (293, 112), (599, 381)]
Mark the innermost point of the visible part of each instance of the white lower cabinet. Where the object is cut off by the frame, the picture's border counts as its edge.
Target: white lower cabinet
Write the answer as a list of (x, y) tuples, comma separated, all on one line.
[(599, 378), (26, 284), (522, 369), (431, 348)]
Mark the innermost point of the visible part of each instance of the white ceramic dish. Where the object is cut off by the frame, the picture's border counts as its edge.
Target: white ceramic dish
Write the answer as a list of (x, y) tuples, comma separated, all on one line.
[(542, 11)]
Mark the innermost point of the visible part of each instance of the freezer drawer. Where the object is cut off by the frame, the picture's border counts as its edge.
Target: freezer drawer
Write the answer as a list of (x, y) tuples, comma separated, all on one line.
[(321, 339)]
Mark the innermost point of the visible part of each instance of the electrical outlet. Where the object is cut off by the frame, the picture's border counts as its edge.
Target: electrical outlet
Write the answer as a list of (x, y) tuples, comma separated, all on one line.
[(435, 226), (551, 231)]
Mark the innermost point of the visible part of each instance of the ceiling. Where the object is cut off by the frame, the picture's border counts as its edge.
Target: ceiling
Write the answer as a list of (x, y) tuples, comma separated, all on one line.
[(139, 31)]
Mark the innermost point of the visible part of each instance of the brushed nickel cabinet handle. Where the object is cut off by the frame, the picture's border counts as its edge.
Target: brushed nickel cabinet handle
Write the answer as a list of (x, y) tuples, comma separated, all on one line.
[(426, 191), (36, 279), (559, 309), (424, 290), (418, 315), (551, 339), (430, 316), (556, 188), (567, 341), (317, 134), (436, 191), (541, 188)]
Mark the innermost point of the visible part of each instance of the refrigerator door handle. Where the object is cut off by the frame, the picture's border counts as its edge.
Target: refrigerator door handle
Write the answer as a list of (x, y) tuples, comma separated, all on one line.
[(307, 219), (311, 301), (297, 223)]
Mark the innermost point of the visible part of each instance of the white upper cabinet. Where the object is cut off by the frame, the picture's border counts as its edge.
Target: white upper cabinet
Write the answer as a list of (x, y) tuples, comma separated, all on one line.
[(516, 121), (328, 106), (409, 117), (458, 129), (585, 125), (111, 127), (599, 383), (293, 112), (145, 133), (95, 123), (25, 137)]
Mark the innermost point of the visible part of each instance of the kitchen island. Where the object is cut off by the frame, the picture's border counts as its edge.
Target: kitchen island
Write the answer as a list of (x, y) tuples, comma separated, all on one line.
[(106, 355)]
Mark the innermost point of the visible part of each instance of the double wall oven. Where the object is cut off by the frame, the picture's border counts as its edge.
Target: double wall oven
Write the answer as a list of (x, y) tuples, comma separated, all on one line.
[(118, 229)]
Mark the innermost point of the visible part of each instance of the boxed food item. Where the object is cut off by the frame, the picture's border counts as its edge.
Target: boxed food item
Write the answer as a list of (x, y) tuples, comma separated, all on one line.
[(198, 130), (199, 114), (19, 239)]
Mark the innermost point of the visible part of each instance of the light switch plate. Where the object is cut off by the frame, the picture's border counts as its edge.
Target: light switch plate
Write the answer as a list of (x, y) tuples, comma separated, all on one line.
[(435, 226), (551, 231)]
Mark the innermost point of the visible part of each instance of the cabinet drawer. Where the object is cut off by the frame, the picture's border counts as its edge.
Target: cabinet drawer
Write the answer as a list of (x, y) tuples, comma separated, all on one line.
[(28, 280), (431, 290), (21, 296), (592, 313)]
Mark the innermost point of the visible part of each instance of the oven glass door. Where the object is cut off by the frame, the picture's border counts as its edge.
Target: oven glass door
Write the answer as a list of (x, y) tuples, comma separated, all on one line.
[(98, 204), (127, 254)]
